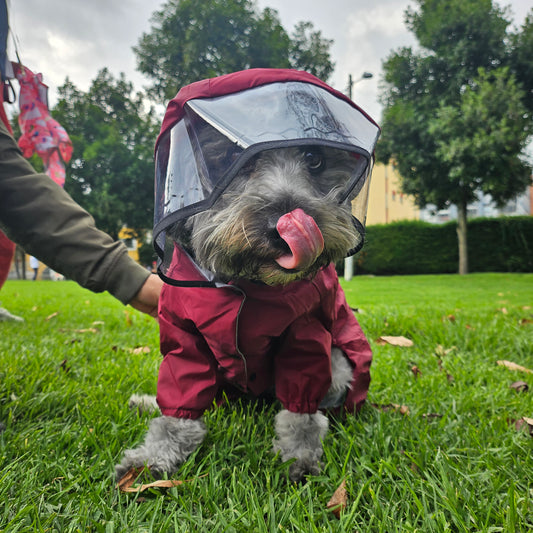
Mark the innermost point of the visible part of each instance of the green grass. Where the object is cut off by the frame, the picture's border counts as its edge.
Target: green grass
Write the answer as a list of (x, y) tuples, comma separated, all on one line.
[(455, 463)]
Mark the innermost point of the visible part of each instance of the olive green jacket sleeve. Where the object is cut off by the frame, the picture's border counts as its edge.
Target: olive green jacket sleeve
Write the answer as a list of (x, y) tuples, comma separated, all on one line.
[(41, 217)]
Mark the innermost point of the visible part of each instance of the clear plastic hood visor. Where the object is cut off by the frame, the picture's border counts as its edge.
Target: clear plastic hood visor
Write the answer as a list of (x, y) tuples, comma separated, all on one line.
[(199, 156)]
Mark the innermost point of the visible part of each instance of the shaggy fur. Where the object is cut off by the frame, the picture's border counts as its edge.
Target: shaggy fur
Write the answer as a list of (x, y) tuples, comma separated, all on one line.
[(237, 239)]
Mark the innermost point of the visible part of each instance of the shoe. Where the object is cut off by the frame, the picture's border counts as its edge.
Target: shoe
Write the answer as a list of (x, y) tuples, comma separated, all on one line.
[(5, 316)]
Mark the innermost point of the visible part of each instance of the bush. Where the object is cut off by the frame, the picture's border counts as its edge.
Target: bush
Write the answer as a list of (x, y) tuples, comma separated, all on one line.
[(412, 247)]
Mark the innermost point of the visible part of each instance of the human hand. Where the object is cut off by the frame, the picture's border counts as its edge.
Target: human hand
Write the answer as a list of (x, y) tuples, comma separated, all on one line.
[(146, 300)]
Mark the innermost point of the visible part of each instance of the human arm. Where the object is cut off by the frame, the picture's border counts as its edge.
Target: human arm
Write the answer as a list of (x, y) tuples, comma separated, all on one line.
[(41, 217)]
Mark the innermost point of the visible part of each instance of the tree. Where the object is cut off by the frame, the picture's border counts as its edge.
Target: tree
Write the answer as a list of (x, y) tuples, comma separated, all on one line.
[(521, 59), (191, 40), (454, 120), (111, 172)]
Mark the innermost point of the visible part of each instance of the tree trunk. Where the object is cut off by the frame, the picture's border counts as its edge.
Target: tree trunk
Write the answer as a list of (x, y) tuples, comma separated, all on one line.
[(462, 238)]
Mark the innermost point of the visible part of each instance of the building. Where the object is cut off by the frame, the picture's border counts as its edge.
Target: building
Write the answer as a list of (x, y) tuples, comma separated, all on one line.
[(386, 202)]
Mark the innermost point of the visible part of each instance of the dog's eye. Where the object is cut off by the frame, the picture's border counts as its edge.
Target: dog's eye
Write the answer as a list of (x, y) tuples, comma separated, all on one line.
[(314, 161)]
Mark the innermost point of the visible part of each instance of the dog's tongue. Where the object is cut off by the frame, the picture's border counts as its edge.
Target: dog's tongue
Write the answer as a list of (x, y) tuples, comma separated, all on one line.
[(303, 237)]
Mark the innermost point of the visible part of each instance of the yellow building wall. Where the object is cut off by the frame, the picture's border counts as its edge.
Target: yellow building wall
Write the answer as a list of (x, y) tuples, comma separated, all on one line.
[(129, 238), (386, 202)]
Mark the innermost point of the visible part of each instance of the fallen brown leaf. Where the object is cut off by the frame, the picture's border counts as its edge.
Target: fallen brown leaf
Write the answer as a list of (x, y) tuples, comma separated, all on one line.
[(524, 321), (416, 371), (525, 423), (395, 341), (519, 386), (403, 409), (513, 366), (440, 351), (49, 317), (127, 482), (140, 349), (339, 500)]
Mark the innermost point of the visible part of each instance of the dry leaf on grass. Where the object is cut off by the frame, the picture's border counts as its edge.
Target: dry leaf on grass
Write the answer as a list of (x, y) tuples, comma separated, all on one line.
[(395, 341), (519, 386), (416, 371), (140, 349), (513, 366), (53, 315), (525, 423), (440, 351), (127, 482), (339, 500), (402, 409)]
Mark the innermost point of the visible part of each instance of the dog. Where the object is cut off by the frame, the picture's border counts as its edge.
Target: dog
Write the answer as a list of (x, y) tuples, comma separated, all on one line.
[(261, 310)]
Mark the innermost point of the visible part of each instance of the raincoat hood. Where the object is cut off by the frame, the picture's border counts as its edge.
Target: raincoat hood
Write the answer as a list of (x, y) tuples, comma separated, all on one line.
[(213, 127)]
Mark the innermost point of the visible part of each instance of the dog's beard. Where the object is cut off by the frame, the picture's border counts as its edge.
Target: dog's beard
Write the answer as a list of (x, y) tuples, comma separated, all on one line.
[(238, 237)]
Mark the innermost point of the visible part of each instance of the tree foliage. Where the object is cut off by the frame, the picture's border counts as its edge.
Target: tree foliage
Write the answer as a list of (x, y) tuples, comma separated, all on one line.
[(111, 171), (455, 118), (191, 40)]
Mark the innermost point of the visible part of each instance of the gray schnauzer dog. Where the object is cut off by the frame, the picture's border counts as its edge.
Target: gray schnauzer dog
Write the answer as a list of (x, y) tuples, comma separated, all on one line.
[(253, 304)]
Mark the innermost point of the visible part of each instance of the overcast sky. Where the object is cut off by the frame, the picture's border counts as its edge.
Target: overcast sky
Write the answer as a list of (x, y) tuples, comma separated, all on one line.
[(76, 38)]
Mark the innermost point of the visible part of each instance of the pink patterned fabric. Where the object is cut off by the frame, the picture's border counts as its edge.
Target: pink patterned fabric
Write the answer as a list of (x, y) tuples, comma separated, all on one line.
[(41, 134)]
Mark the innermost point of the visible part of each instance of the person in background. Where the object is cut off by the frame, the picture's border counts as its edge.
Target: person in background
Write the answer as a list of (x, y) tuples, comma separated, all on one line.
[(34, 264)]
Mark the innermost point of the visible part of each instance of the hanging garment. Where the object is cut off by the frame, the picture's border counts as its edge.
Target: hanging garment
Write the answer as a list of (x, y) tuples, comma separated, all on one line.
[(41, 134)]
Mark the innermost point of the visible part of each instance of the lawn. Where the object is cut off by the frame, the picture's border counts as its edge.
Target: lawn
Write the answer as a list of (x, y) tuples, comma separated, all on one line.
[(440, 446)]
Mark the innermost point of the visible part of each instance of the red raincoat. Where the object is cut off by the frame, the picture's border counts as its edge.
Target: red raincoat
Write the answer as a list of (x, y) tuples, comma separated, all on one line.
[(253, 338)]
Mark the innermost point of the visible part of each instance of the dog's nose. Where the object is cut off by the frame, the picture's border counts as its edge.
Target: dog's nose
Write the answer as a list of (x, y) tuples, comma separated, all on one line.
[(303, 237)]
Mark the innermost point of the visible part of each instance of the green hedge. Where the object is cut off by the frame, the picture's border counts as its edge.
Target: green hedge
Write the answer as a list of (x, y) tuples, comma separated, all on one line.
[(412, 247)]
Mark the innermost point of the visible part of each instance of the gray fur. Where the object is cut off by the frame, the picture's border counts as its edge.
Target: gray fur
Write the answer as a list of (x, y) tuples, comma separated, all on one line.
[(167, 444), (144, 403), (299, 436), (341, 380)]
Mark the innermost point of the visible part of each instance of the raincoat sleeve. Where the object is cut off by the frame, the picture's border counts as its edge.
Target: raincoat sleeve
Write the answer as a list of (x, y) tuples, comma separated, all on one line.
[(303, 367), (188, 379), (41, 217), (349, 337)]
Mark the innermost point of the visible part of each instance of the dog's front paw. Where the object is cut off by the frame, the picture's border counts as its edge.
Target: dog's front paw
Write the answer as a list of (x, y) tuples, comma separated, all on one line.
[(135, 458), (304, 467), (168, 443), (299, 436)]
